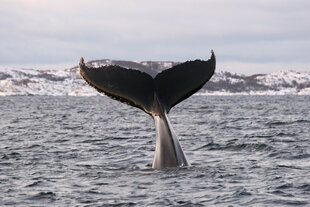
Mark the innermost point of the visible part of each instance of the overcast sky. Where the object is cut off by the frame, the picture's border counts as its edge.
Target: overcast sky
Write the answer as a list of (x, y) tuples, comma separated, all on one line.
[(247, 36)]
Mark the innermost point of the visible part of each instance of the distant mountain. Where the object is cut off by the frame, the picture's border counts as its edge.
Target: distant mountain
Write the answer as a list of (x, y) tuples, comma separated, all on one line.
[(68, 82)]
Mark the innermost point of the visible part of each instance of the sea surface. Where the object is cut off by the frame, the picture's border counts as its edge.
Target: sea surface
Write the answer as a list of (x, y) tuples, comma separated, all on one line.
[(94, 151)]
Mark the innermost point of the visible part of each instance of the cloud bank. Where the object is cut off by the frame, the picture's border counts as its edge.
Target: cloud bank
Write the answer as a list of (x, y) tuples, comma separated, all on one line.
[(242, 33)]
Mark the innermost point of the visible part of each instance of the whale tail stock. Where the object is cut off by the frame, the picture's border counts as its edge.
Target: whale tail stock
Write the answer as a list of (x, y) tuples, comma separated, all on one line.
[(155, 96)]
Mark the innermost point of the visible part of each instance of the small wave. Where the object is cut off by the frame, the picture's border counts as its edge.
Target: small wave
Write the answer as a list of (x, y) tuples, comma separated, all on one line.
[(259, 136), (272, 135), (62, 140), (305, 187), (281, 193), (36, 183), (252, 147), (301, 156), (290, 167), (246, 146), (120, 204), (284, 186), (91, 141), (14, 155), (4, 157), (43, 196), (169, 202), (33, 146), (241, 192), (278, 153), (272, 123), (284, 202), (277, 123), (5, 164), (302, 121), (72, 127), (120, 138), (282, 134), (209, 146)]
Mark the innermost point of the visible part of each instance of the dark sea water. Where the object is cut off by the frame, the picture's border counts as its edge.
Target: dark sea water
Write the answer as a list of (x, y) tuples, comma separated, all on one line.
[(93, 151)]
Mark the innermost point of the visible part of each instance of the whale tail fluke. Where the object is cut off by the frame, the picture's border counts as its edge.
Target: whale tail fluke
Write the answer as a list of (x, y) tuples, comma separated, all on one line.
[(156, 96), (139, 89)]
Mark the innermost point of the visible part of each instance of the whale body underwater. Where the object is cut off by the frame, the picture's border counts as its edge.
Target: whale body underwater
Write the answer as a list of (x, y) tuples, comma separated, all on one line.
[(155, 96)]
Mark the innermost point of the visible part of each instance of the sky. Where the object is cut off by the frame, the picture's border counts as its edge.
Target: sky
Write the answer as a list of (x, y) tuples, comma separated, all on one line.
[(247, 37)]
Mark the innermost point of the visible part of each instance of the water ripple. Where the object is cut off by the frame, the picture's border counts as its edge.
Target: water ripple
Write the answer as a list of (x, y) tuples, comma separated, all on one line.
[(93, 151)]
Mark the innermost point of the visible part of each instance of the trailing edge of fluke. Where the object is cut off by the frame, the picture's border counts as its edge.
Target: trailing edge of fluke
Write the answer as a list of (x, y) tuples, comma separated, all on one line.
[(155, 96)]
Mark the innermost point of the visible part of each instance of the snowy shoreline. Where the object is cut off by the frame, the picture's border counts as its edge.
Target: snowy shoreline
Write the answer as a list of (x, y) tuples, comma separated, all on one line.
[(67, 82)]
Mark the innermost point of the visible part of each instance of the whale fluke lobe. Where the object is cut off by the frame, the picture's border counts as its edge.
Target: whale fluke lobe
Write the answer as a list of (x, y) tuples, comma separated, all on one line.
[(129, 86), (155, 96), (181, 81)]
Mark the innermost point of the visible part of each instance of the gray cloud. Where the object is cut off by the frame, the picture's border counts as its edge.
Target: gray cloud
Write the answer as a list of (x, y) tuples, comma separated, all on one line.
[(262, 32)]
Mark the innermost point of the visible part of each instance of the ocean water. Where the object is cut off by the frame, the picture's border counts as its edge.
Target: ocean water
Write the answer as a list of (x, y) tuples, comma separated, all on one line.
[(94, 151)]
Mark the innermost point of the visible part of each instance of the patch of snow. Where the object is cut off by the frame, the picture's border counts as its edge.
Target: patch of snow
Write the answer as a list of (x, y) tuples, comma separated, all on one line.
[(68, 82), (167, 65), (287, 77)]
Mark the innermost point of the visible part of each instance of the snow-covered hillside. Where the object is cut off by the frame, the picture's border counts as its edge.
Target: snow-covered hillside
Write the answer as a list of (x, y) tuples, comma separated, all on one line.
[(68, 82), (277, 83), (43, 82)]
